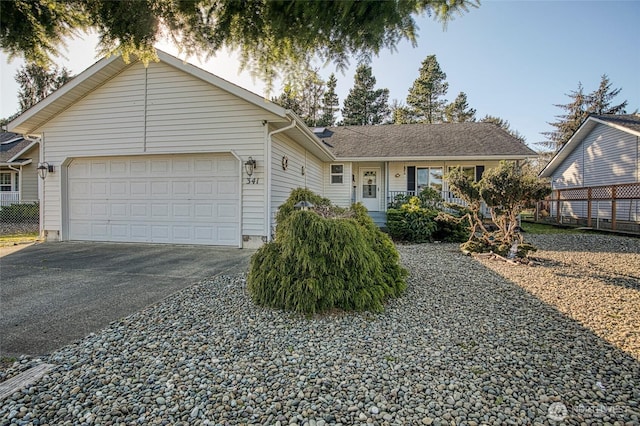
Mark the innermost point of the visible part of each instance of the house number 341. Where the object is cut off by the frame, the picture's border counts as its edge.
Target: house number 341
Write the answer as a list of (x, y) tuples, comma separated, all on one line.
[(253, 181)]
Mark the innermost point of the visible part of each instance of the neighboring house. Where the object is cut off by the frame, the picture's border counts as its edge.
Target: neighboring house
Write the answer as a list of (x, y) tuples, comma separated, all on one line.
[(18, 162), (170, 153), (596, 174)]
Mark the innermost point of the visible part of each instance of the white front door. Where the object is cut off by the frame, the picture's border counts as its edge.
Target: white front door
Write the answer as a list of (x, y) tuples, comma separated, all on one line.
[(370, 188)]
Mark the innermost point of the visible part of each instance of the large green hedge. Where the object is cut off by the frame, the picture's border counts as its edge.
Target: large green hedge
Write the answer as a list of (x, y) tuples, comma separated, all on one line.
[(325, 258), (422, 219)]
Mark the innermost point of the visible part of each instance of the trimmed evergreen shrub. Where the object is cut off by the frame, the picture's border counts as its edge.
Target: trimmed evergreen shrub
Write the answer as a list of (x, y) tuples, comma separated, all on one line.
[(322, 261), (423, 218)]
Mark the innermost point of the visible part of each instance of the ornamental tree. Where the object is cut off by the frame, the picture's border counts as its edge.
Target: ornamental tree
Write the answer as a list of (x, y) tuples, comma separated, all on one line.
[(506, 190)]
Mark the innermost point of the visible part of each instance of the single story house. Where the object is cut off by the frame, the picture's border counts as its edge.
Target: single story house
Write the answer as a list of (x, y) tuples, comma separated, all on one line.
[(170, 153), (596, 174), (18, 162)]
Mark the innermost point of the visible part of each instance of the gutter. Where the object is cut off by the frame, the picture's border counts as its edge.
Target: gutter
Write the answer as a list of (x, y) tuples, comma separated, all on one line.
[(268, 173)]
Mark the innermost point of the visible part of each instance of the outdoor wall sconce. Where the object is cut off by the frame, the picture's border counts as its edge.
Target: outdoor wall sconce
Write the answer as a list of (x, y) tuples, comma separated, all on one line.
[(250, 166), (43, 169), (303, 205)]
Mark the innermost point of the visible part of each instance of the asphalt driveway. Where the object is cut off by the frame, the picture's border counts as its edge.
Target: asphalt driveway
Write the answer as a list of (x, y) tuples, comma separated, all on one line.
[(54, 293)]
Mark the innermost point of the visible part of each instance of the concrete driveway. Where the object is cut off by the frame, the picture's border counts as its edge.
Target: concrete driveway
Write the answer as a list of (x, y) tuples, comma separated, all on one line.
[(54, 293)]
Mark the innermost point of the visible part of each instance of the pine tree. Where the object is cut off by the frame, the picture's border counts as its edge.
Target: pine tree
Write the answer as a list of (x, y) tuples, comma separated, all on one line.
[(600, 99), (365, 105), (458, 111), (425, 95), (311, 96), (581, 105), (566, 124), (400, 114), (330, 104), (36, 83), (289, 99)]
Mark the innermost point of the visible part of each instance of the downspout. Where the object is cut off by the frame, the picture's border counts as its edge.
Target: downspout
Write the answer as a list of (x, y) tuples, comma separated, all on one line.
[(268, 173)]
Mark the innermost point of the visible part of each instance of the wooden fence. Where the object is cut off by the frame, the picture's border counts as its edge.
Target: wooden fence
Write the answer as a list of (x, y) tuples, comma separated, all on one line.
[(615, 207)]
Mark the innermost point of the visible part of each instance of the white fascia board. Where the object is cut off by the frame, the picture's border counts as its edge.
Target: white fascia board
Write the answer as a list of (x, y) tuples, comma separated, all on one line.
[(306, 131), (16, 163), (58, 95)]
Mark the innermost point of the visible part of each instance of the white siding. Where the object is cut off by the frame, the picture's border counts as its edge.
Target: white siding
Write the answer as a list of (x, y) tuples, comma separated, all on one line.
[(29, 176), (158, 110), (607, 156), (284, 181), (339, 193)]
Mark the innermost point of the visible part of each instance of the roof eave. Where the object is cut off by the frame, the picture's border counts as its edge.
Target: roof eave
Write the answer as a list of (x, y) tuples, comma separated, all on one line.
[(582, 132), (16, 163), (324, 153), (27, 123)]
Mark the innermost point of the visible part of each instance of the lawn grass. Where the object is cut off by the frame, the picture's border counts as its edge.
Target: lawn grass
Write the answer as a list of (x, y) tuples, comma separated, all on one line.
[(14, 239), (543, 228)]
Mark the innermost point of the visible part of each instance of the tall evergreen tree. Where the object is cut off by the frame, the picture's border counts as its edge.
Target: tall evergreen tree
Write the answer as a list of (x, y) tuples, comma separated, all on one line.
[(311, 96), (566, 124), (400, 114), (458, 111), (289, 99), (426, 94), (305, 99), (330, 103), (600, 99), (36, 83), (364, 104), (597, 102)]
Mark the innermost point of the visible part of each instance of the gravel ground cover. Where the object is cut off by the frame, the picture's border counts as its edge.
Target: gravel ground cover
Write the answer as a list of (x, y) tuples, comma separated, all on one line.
[(464, 346)]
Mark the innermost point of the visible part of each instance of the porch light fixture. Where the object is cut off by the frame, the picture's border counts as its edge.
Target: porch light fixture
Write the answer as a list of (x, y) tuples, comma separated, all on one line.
[(250, 166), (303, 205), (43, 169)]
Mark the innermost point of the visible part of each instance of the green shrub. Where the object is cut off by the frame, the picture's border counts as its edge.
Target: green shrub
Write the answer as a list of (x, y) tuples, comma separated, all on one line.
[(318, 263), (451, 229), (20, 213), (411, 222)]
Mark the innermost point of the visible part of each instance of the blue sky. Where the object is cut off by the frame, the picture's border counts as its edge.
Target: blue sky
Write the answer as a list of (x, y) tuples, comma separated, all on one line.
[(513, 59)]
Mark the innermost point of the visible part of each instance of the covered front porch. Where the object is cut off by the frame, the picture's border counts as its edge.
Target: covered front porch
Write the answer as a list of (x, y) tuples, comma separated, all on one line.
[(378, 184)]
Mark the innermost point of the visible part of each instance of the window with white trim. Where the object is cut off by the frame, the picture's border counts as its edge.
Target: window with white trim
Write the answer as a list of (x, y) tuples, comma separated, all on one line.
[(8, 182), (429, 177), (337, 174)]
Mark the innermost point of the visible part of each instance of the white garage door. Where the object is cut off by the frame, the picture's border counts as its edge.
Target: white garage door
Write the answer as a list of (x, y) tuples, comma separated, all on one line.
[(190, 199)]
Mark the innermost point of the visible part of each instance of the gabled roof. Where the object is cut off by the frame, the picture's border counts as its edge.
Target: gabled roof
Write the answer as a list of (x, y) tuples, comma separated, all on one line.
[(106, 69), (628, 123), (12, 146), (445, 141)]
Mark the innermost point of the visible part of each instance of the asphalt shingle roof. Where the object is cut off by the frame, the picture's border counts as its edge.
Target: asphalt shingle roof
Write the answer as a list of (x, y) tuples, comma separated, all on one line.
[(9, 149), (630, 121), (423, 140)]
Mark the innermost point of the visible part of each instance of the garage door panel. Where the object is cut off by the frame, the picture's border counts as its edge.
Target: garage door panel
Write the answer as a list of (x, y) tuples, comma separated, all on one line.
[(187, 199)]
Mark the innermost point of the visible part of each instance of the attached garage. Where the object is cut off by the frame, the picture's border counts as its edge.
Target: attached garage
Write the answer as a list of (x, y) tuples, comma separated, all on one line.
[(180, 199)]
